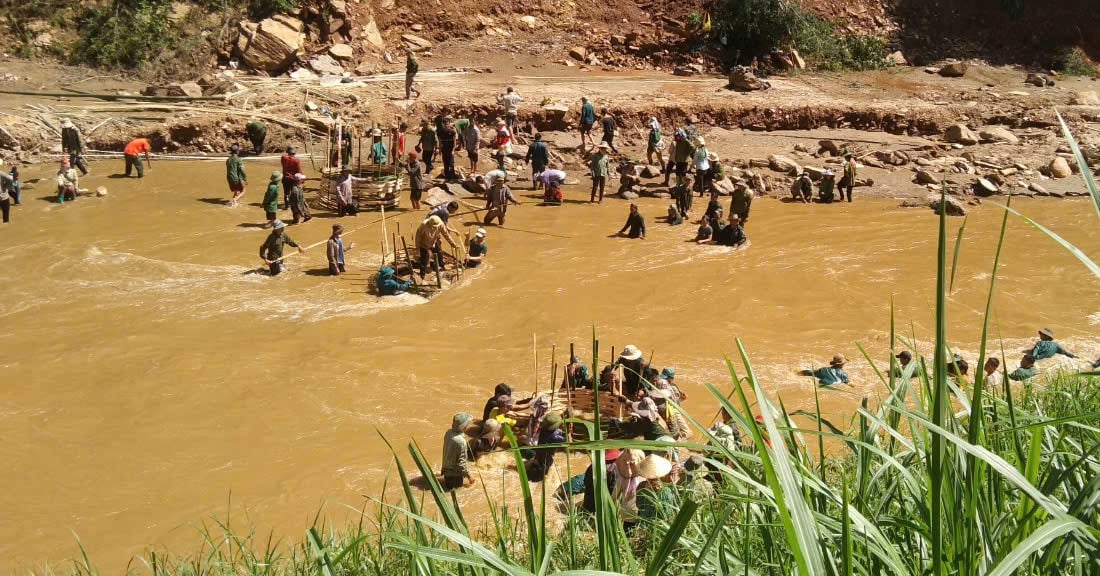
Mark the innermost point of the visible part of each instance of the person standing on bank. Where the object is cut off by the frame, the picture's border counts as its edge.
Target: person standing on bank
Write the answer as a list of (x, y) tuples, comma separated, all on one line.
[(539, 157), (655, 144), (607, 123), (416, 180), (291, 166), (587, 121), (411, 69), (510, 100), (427, 144), (600, 168), (235, 176), (848, 180), (73, 143), (133, 152), (271, 251), (471, 140), (448, 145)]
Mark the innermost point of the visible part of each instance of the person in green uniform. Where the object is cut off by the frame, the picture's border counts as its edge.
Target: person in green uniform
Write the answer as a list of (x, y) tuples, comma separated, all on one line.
[(234, 174), (539, 157), (1046, 347), (271, 251), (257, 133), (411, 68), (427, 145), (601, 169), (1026, 370), (682, 152), (741, 202), (475, 255), (456, 450), (271, 199), (674, 216)]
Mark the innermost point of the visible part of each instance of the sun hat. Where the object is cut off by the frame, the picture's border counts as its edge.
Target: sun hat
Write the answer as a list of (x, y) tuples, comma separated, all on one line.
[(376, 132), (551, 421), (66, 123), (904, 355), (460, 421), (630, 352), (712, 157), (300, 177), (501, 122), (654, 467), (627, 462), (838, 360), (278, 225), (653, 123), (276, 175), (699, 141), (490, 426), (668, 373), (481, 233), (829, 172), (604, 146), (345, 168), (1047, 332), (434, 221)]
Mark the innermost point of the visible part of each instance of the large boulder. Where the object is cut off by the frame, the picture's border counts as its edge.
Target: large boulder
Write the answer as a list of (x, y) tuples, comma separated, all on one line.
[(998, 134), (325, 65), (724, 187), (1085, 98), (372, 35), (743, 80), (417, 43), (954, 69), (954, 206), (273, 47), (960, 134), (1059, 168), (783, 164), (341, 51)]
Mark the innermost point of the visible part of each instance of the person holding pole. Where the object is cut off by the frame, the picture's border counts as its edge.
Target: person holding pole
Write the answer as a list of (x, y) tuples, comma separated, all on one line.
[(271, 251)]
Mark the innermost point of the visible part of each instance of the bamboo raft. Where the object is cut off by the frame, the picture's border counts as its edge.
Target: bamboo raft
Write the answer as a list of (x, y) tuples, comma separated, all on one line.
[(578, 403), (382, 190)]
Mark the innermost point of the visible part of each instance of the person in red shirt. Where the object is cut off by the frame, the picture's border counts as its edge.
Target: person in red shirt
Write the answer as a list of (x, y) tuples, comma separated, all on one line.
[(133, 152), (397, 149), (291, 166)]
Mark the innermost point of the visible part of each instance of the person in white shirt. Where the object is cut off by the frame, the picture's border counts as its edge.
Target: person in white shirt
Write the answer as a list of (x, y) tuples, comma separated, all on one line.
[(510, 100)]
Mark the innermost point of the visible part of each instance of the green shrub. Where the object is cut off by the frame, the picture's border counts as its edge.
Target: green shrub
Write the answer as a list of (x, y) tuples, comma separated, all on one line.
[(1072, 61), (128, 33), (260, 9), (756, 28)]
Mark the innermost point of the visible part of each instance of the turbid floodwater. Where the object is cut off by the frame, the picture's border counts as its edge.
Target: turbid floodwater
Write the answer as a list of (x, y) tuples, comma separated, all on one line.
[(152, 378)]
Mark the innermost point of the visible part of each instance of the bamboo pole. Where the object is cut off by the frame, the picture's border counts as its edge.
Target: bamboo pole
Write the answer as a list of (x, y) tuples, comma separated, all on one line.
[(438, 271), (569, 394), (412, 273), (112, 97), (535, 349)]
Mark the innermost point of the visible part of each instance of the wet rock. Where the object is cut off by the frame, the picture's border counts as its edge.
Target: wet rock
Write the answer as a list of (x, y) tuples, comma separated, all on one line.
[(953, 206), (954, 69), (1059, 168), (417, 43), (341, 51), (984, 187), (1039, 80), (1085, 98), (742, 79), (960, 134), (924, 177), (998, 134), (783, 164), (273, 47)]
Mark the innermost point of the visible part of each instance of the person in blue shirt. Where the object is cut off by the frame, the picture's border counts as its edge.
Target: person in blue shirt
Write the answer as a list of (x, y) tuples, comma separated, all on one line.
[(588, 120), (1046, 347), (378, 152), (834, 373)]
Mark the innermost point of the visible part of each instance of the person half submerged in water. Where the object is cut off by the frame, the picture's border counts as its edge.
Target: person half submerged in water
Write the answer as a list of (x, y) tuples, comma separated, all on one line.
[(389, 285)]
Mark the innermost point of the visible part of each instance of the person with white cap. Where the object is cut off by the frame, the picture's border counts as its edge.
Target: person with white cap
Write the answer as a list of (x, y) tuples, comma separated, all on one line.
[(654, 496), (655, 144), (345, 192), (825, 187), (510, 100), (625, 479), (73, 143), (298, 206), (291, 166), (271, 199), (701, 160), (477, 250), (379, 154), (600, 169), (271, 251), (1046, 347), (235, 176), (67, 182), (632, 363)]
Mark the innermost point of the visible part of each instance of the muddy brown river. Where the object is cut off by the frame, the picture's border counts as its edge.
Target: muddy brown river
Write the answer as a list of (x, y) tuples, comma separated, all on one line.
[(152, 379)]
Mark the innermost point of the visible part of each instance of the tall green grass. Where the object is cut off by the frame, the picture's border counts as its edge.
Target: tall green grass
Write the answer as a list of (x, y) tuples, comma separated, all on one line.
[(933, 479)]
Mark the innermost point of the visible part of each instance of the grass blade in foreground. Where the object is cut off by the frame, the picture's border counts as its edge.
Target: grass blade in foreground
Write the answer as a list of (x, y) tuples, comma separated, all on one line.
[(1086, 174)]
